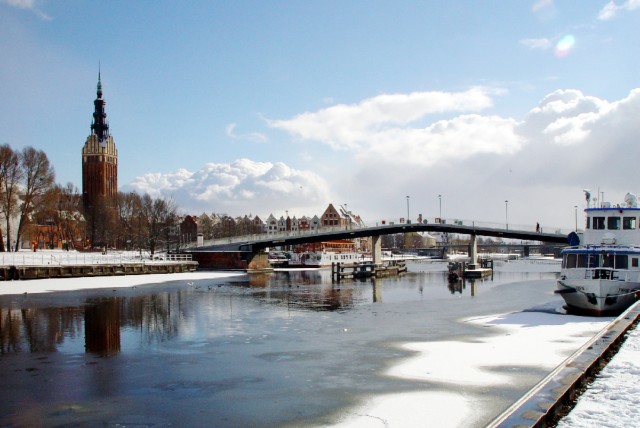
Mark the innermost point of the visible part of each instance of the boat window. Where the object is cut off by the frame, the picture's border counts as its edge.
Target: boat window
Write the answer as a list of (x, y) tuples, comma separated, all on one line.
[(594, 261), (607, 260), (628, 222), (634, 261), (622, 261), (588, 225), (570, 261), (613, 223), (598, 222), (582, 260)]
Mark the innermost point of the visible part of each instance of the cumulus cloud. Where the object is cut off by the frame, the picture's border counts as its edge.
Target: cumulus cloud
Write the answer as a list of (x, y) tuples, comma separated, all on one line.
[(345, 126), (238, 188), (611, 9), (385, 127)]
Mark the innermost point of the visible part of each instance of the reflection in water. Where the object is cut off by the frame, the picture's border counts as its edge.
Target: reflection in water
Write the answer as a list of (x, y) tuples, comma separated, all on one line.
[(37, 329), (161, 316), (102, 326)]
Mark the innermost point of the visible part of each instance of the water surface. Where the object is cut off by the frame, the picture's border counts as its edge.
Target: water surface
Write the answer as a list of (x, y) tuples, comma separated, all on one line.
[(264, 350)]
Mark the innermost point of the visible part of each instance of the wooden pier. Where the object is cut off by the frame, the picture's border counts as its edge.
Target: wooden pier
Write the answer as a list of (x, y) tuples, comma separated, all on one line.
[(8, 273), (340, 271), (458, 270)]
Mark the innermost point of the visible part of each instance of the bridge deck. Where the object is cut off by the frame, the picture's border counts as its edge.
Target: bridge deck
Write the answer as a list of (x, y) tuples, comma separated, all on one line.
[(258, 242)]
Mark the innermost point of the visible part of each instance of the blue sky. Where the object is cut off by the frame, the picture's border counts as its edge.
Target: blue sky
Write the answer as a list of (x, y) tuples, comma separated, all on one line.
[(267, 107)]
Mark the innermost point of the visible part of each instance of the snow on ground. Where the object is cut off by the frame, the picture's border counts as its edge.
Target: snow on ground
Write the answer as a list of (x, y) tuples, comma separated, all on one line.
[(612, 399), (85, 283)]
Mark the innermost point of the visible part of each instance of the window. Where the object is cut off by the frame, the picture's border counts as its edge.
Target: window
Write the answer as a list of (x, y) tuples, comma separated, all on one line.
[(613, 223), (598, 223), (607, 260), (588, 226), (582, 260), (628, 223), (622, 261), (570, 261), (634, 262)]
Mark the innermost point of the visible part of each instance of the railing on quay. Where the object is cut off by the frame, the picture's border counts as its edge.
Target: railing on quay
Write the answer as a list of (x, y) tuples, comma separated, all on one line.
[(64, 258)]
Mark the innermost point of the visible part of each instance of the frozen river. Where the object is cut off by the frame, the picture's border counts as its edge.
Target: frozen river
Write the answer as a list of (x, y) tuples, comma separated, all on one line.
[(286, 348)]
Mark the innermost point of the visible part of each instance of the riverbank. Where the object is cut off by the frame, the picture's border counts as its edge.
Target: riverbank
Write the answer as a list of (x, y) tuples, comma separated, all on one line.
[(95, 283)]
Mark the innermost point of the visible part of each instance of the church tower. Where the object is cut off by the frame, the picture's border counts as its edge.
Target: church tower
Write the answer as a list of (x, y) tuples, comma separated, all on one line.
[(99, 159)]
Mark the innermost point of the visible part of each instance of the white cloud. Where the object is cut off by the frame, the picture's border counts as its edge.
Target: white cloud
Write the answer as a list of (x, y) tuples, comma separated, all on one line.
[(237, 188), (541, 43), (27, 5), (611, 9), (255, 137), (345, 126)]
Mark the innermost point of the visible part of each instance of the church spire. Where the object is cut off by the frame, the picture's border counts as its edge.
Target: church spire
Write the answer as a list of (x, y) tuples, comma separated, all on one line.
[(100, 126), (99, 84)]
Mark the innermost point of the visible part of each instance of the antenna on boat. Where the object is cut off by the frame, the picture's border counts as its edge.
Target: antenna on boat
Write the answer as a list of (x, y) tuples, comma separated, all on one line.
[(587, 195)]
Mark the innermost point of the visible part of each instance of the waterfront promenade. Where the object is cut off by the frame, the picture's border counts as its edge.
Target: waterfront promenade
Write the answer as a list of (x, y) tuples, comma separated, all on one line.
[(25, 265)]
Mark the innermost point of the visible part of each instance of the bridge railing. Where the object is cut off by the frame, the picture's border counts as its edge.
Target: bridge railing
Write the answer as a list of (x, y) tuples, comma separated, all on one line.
[(309, 232)]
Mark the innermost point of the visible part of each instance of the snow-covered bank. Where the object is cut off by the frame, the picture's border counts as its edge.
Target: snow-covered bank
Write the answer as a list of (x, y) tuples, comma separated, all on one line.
[(86, 283), (62, 258), (537, 339), (611, 400)]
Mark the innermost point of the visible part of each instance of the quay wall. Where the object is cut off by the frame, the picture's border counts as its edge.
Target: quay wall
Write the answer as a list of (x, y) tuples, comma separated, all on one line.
[(14, 272), (555, 396)]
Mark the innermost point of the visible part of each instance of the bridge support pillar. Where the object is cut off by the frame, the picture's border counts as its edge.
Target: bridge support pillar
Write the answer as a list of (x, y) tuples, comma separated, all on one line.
[(376, 250), (473, 252)]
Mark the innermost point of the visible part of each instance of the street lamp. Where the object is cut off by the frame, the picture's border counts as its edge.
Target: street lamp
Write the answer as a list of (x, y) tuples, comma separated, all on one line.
[(408, 221), (576, 208), (440, 211), (506, 213)]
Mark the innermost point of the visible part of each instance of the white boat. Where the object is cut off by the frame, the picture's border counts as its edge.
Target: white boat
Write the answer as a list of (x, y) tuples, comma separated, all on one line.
[(318, 259), (600, 275)]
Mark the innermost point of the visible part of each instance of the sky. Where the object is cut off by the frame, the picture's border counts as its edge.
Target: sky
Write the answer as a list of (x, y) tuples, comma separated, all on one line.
[(422, 107)]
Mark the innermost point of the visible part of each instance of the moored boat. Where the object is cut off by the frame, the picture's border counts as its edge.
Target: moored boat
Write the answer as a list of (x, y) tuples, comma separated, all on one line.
[(601, 274)]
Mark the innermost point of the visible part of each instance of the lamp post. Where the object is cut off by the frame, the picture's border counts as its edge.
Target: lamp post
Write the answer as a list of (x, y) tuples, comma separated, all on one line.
[(408, 221), (576, 208), (506, 213), (440, 209)]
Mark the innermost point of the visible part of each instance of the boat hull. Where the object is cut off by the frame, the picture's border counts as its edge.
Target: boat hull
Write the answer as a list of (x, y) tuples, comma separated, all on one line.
[(598, 297)]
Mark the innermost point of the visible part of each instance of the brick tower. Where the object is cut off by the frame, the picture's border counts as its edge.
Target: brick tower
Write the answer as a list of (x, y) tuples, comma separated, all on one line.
[(99, 159)]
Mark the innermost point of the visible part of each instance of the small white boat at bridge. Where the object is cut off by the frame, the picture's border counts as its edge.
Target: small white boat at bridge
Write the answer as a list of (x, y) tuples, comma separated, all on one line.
[(601, 275)]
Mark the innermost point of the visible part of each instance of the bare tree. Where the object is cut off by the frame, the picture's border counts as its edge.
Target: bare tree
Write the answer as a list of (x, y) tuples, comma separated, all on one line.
[(10, 176), (38, 176), (128, 207), (160, 215)]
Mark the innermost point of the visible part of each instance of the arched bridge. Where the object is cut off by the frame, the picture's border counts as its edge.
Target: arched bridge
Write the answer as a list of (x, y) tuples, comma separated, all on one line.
[(247, 247)]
